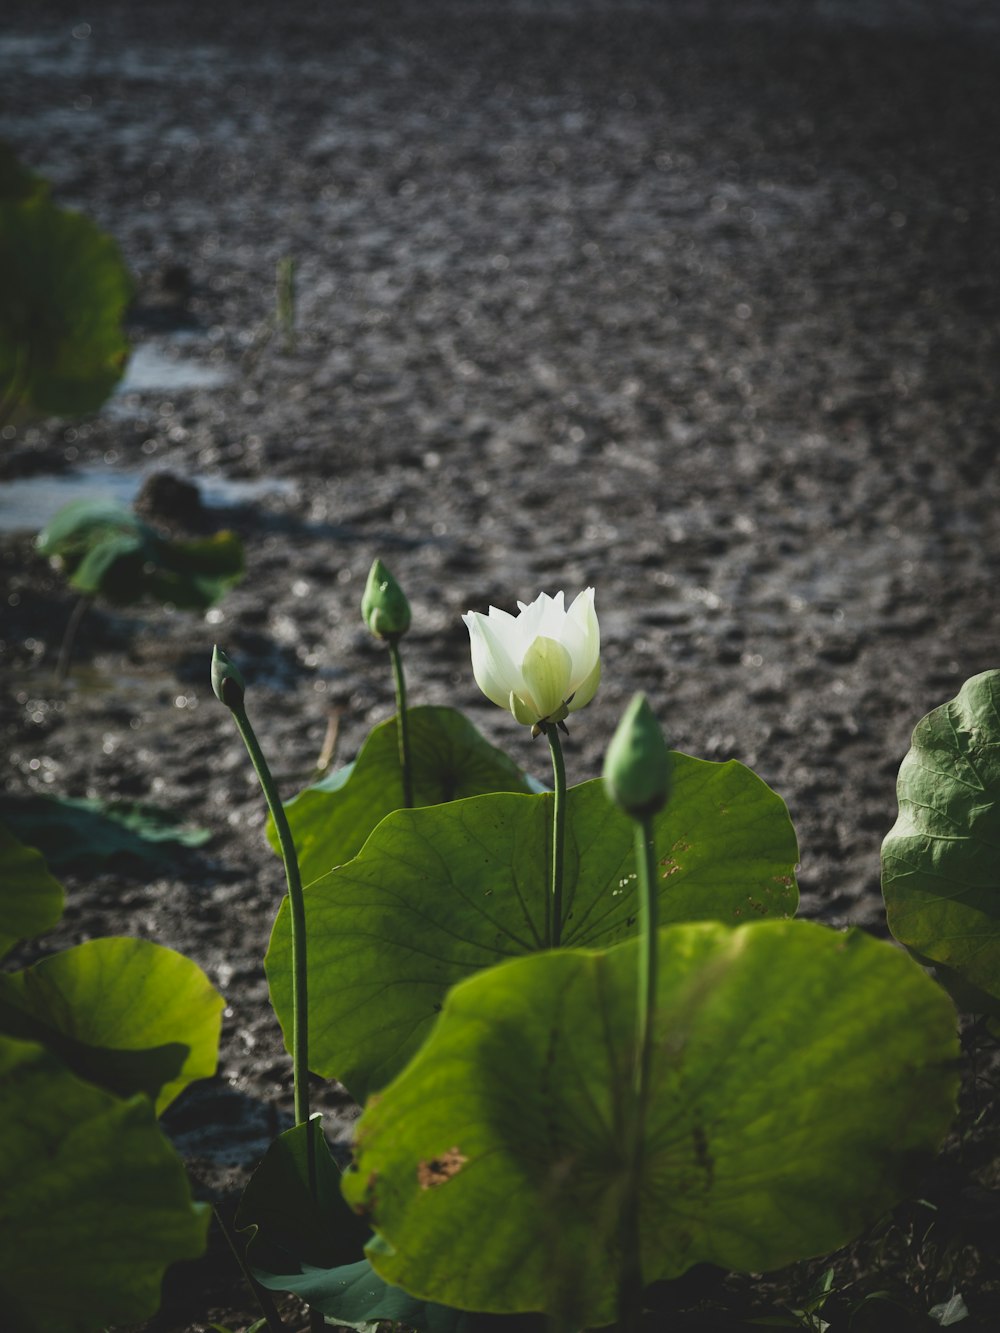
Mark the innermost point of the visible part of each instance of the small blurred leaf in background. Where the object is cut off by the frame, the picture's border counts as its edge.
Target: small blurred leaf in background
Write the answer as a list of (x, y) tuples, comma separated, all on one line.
[(85, 835), (108, 551)]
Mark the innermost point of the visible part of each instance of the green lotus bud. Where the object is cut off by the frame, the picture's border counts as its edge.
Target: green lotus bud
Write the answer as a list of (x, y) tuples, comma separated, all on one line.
[(227, 681), (384, 607), (637, 764)]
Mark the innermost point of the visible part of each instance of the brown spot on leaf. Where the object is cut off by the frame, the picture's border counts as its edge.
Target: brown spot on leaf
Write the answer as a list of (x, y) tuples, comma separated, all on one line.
[(440, 1169)]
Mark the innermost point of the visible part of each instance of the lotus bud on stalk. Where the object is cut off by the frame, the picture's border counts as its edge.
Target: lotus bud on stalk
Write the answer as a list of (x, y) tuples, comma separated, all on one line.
[(384, 607), (637, 764), (230, 689), (227, 681), (542, 664), (386, 612)]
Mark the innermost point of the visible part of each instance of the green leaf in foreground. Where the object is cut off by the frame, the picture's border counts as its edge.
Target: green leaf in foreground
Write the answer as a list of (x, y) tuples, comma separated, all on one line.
[(31, 901), (439, 893), (331, 819), (113, 999), (94, 1202), (941, 859), (799, 1078)]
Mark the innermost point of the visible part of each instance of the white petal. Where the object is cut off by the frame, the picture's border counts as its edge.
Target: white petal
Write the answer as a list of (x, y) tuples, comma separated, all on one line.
[(586, 691), (546, 668), (553, 618), (495, 673), (584, 618), (529, 622)]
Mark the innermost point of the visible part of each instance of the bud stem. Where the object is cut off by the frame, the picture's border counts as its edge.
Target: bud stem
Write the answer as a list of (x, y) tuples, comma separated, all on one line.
[(402, 722), (300, 994), (554, 931), (630, 1283), (645, 861)]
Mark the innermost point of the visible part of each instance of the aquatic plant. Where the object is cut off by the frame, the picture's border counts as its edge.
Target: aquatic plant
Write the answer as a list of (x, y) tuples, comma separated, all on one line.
[(594, 1047)]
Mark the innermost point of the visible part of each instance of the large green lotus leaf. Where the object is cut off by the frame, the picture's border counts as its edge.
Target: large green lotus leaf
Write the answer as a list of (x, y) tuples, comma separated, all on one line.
[(331, 819), (124, 995), (94, 1202), (31, 901), (439, 893), (121, 1072), (799, 1077), (62, 300), (941, 859)]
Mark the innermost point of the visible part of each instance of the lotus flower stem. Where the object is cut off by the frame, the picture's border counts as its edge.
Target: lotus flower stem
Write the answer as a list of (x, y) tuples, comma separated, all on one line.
[(558, 835), (402, 724)]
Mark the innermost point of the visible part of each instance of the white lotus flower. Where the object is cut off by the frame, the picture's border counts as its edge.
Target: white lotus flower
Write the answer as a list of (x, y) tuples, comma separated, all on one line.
[(544, 662)]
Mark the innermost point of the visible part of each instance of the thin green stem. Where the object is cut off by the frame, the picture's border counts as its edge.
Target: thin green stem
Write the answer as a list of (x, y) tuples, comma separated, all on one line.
[(630, 1276), (402, 723), (558, 833), (300, 993), (645, 861)]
